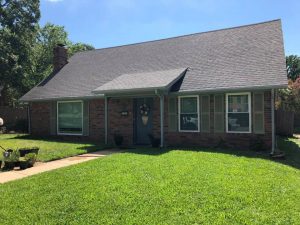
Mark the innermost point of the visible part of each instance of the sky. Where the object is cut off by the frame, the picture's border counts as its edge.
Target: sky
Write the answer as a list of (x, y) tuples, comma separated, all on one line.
[(107, 23)]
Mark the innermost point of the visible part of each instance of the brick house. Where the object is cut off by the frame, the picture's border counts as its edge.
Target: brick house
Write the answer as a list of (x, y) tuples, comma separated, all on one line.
[(201, 89)]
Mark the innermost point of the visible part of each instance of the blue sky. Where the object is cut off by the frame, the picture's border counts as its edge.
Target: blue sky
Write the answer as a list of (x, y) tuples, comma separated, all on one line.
[(106, 23)]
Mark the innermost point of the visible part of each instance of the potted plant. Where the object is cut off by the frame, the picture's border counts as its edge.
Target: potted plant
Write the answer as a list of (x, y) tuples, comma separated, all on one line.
[(118, 138), (155, 142), (11, 157), (24, 151), (28, 161)]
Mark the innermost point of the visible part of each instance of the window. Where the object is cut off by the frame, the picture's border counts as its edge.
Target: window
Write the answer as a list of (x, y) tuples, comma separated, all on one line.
[(238, 116), (188, 113), (70, 117)]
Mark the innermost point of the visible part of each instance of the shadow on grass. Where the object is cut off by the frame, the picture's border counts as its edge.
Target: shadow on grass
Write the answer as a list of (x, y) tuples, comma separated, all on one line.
[(287, 145), (62, 139), (94, 148)]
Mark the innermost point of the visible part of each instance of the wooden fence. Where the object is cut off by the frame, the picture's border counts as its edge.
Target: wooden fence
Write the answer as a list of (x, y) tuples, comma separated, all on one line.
[(284, 121), (11, 115)]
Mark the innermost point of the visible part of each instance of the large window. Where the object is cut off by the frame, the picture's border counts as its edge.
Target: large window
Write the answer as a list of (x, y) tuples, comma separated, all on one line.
[(238, 116), (188, 113), (70, 117)]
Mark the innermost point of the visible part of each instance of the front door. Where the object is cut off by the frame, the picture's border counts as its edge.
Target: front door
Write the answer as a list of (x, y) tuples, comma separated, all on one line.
[(143, 116)]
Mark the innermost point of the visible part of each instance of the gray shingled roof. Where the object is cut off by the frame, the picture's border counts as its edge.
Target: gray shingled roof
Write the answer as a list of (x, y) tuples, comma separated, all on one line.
[(161, 80), (249, 56)]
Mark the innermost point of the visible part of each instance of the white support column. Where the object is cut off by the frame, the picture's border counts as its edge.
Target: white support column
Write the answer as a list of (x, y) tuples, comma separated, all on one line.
[(273, 121), (106, 119), (161, 120)]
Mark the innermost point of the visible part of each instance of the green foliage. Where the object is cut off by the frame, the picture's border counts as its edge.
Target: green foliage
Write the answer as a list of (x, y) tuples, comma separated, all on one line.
[(30, 158), (289, 98), (11, 155), (293, 67), (171, 187), (78, 47), (49, 37), (26, 49), (18, 28)]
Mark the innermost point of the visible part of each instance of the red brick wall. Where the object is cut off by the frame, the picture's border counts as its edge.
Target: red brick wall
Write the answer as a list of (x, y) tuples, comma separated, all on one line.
[(40, 118), (97, 120), (231, 140), (40, 124), (118, 123)]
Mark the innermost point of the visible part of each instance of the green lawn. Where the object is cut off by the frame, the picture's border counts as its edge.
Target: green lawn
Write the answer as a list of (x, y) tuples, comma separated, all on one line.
[(50, 149), (291, 148), (206, 186)]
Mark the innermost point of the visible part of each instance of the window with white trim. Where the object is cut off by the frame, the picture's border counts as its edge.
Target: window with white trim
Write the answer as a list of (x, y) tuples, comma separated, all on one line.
[(70, 117), (188, 110), (238, 112)]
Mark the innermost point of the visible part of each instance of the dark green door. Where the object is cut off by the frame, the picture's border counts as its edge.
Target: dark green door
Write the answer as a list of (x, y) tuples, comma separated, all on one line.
[(143, 117)]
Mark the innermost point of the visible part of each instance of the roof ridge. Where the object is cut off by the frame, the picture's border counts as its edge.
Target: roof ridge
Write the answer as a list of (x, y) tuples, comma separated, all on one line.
[(180, 36)]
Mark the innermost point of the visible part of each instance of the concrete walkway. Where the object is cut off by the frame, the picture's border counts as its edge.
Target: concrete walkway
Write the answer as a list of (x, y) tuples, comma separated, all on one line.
[(43, 167)]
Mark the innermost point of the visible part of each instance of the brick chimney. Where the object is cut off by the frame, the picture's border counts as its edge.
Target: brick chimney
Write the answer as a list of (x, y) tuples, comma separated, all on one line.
[(60, 57)]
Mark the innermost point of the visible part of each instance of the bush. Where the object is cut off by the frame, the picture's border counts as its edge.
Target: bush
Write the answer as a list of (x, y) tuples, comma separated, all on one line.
[(118, 138)]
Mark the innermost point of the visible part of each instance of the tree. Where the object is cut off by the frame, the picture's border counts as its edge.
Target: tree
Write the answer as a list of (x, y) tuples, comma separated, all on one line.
[(18, 27), (289, 98), (293, 67), (78, 47), (47, 38), (27, 57)]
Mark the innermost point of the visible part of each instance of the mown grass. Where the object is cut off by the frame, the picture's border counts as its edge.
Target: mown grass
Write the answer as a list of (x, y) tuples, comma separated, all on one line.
[(50, 148), (291, 148), (200, 186)]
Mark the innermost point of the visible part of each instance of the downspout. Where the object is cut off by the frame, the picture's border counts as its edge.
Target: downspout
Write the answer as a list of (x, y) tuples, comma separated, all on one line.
[(106, 119), (273, 121), (161, 98)]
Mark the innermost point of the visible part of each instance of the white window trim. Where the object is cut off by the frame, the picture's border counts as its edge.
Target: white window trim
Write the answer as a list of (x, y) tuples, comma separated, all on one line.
[(57, 128), (249, 109), (179, 113)]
